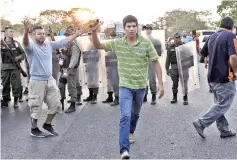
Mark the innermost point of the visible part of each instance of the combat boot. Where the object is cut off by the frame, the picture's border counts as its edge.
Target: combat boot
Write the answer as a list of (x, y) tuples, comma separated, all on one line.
[(4, 103), (15, 105), (26, 91), (153, 100), (185, 98), (62, 102), (174, 100), (109, 99), (94, 99), (116, 101), (90, 97), (145, 98), (78, 100), (72, 108), (20, 98)]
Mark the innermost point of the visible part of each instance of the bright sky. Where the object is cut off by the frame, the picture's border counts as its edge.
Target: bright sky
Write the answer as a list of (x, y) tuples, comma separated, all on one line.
[(107, 10)]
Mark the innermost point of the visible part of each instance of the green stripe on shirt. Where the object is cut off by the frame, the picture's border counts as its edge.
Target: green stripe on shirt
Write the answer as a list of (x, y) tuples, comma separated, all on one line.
[(133, 60)]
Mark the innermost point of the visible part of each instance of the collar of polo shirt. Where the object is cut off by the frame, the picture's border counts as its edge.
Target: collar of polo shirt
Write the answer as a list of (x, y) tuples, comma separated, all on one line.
[(139, 39)]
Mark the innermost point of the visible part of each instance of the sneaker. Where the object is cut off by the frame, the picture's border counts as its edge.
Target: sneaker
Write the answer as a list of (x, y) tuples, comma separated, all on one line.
[(199, 128), (226, 134), (49, 128), (38, 133), (131, 138), (125, 155)]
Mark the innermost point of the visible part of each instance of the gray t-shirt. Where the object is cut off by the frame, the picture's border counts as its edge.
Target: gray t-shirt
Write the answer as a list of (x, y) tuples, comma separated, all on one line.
[(40, 58)]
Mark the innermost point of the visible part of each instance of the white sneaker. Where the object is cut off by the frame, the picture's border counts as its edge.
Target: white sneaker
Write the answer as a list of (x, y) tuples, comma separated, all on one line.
[(125, 155), (131, 138)]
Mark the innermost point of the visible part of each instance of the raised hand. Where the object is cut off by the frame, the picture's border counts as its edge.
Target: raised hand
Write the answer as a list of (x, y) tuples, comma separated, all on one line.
[(27, 25)]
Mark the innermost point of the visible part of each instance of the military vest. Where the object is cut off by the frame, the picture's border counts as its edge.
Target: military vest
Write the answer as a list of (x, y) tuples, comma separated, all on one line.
[(6, 54)]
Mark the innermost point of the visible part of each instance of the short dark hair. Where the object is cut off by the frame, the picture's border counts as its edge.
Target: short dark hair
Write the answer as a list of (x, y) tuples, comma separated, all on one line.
[(36, 27), (227, 23), (194, 32), (128, 19)]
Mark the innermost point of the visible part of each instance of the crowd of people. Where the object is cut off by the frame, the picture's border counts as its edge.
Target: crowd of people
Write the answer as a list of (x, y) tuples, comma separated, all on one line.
[(130, 61)]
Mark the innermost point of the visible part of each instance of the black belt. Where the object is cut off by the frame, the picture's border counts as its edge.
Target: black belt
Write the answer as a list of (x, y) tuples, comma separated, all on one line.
[(173, 62)]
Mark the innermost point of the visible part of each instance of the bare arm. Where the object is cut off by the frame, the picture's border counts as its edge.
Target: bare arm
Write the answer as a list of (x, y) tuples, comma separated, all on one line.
[(95, 41), (233, 63), (26, 40), (158, 71)]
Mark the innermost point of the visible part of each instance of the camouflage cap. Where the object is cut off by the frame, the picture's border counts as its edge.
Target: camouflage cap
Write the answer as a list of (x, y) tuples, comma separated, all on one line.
[(148, 26), (177, 35), (69, 31)]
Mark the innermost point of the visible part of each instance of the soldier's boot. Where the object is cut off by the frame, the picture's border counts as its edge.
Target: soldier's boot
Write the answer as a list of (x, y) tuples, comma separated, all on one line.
[(185, 98), (4, 103), (21, 96), (174, 100), (26, 91), (16, 105), (94, 99), (62, 102), (72, 108), (90, 97), (116, 101), (153, 99), (145, 98), (79, 100), (109, 99)]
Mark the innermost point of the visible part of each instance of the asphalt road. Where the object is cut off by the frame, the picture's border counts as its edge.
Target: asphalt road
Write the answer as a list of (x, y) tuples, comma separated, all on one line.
[(164, 131)]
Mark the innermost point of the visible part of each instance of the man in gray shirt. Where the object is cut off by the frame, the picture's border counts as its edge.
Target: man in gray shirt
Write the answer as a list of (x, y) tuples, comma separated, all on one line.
[(42, 86)]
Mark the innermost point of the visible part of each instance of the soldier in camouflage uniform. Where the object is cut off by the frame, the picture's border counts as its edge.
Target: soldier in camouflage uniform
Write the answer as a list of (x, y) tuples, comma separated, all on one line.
[(70, 61), (10, 74)]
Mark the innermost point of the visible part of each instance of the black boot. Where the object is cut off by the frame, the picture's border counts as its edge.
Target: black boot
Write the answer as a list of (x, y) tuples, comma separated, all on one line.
[(4, 103), (145, 98), (26, 91), (78, 100), (153, 100), (90, 97), (174, 100), (15, 105), (185, 98), (116, 101), (62, 102), (21, 97), (94, 99), (109, 99), (72, 108)]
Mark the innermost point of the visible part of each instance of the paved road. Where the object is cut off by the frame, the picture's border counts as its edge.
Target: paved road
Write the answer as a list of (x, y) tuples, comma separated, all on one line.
[(164, 131)]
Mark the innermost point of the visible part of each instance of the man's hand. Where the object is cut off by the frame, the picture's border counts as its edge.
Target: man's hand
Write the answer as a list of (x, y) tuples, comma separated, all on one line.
[(96, 26), (27, 25), (80, 32), (161, 90)]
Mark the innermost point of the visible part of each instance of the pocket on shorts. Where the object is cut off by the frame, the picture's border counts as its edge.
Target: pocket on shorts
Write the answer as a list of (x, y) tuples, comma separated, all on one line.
[(34, 100)]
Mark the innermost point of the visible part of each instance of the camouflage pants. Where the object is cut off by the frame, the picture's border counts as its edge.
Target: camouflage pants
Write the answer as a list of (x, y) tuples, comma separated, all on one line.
[(10, 78)]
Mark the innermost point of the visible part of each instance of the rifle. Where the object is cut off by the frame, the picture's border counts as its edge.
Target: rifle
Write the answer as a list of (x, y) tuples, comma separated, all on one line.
[(3, 43)]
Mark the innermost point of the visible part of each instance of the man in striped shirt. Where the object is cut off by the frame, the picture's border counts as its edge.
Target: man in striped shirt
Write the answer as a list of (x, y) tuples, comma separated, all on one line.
[(133, 53)]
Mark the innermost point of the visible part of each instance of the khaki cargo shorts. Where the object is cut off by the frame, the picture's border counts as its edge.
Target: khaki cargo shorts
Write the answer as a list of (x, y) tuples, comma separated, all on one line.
[(43, 91)]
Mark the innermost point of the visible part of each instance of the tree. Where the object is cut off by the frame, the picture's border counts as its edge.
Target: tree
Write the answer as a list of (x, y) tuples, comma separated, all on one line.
[(228, 8), (5, 22), (179, 20)]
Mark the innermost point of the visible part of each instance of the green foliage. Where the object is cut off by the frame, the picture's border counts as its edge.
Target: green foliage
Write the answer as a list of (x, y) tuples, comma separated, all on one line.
[(228, 8), (179, 20)]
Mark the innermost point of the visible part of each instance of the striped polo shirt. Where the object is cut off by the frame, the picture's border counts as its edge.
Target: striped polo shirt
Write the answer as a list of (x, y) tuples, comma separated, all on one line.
[(133, 60)]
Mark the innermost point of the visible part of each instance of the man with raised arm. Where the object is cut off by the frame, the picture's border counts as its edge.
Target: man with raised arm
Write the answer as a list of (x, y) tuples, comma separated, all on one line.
[(133, 53), (42, 86)]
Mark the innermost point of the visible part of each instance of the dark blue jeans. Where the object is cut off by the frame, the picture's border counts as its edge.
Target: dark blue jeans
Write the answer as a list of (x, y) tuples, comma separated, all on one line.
[(130, 106)]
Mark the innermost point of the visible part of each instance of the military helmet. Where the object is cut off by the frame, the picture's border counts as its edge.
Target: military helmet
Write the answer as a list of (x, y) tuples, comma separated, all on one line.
[(69, 31)]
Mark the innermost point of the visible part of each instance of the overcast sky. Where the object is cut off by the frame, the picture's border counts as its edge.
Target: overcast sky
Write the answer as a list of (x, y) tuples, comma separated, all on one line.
[(146, 11)]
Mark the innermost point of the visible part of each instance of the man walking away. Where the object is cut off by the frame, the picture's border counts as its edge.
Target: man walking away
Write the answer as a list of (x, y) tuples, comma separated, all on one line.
[(221, 49)]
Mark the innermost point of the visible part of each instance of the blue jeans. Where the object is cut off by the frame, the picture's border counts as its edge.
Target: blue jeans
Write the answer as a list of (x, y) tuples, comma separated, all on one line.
[(130, 106), (224, 94)]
